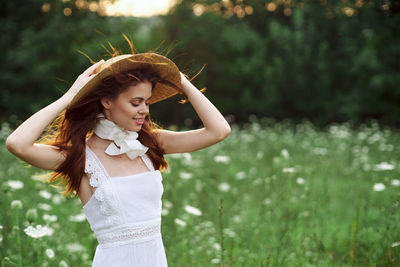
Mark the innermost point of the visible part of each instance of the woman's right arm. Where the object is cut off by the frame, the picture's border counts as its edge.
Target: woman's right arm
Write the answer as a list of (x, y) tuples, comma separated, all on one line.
[(21, 142)]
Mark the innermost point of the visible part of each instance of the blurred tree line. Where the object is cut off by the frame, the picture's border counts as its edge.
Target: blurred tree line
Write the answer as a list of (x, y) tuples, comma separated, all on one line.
[(328, 61)]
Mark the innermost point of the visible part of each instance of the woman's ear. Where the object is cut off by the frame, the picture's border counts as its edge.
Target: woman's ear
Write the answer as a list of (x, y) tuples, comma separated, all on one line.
[(106, 102)]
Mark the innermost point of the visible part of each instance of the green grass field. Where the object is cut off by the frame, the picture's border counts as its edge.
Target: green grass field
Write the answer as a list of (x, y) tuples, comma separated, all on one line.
[(272, 194)]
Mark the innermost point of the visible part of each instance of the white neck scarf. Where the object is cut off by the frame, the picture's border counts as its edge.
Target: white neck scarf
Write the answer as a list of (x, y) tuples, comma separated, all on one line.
[(124, 141)]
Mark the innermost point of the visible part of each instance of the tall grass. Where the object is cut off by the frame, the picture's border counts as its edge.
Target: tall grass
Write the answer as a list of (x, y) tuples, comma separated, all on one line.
[(272, 194)]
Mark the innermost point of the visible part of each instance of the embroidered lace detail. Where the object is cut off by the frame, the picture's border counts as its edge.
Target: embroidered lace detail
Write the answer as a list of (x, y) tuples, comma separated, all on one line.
[(97, 175), (148, 162), (130, 233), (109, 203), (105, 192)]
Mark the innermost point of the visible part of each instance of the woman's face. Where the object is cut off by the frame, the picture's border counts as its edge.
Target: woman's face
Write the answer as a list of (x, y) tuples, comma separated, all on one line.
[(131, 106)]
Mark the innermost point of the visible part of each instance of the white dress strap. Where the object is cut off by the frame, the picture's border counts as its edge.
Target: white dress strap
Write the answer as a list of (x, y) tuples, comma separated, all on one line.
[(96, 170), (105, 192), (148, 162)]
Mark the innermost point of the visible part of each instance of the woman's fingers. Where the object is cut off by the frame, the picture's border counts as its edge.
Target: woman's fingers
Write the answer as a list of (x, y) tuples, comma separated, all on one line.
[(85, 77)]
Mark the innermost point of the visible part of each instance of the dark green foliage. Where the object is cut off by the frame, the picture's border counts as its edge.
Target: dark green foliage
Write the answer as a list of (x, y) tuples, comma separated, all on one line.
[(317, 63), (326, 61)]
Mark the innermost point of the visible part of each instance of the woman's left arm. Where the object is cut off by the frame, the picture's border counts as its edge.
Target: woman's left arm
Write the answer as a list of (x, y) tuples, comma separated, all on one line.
[(215, 129)]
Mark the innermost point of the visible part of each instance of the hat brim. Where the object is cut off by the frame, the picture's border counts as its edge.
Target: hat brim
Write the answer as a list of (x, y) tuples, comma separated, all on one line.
[(169, 73)]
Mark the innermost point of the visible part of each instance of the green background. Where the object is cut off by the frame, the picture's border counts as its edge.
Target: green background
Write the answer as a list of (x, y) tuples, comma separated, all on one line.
[(325, 61)]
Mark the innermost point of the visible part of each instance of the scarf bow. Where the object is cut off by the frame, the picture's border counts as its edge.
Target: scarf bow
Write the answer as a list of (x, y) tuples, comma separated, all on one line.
[(124, 141)]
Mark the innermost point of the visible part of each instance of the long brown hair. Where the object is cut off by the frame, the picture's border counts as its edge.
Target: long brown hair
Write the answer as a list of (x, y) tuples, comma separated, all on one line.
[(70, 130)]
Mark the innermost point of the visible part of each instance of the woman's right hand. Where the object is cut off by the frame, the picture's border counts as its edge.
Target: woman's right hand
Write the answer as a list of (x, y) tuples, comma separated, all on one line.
[(84, 78)]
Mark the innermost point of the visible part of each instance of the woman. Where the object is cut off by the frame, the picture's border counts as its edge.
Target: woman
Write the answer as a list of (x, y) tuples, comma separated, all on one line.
[(107, 151)]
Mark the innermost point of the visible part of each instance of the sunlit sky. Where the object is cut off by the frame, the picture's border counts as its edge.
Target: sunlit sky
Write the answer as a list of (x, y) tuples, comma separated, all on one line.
[(138, 8)]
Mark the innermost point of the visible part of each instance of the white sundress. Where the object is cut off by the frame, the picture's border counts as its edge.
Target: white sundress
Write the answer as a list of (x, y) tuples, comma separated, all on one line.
[(124, 212)]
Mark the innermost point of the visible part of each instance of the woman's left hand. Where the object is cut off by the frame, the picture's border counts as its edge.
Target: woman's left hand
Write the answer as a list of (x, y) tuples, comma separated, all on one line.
[(215, 129)]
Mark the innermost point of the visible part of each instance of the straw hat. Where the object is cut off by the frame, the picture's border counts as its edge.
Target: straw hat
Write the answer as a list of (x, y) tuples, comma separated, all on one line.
[(169, 73)]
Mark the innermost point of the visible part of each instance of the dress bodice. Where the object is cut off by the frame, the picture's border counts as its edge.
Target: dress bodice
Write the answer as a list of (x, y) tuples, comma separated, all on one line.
[(123, 209)]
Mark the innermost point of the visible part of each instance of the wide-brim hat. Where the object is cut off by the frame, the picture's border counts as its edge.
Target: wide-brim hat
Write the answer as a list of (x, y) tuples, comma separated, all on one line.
[(168, 72)]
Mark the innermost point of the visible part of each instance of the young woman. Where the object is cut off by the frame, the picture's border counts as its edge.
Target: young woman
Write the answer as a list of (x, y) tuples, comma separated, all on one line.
[(106, 150)]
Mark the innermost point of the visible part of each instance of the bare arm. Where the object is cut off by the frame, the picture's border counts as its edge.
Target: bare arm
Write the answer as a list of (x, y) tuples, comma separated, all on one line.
[(21, 142), (215, 129)]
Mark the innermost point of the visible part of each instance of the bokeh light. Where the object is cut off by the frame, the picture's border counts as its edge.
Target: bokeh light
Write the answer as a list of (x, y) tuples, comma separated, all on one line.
[(136, 8)]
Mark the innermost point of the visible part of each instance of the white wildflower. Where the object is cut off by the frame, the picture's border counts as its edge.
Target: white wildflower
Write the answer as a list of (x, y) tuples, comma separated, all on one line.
[(276, 160), (211, 240), (50, 253), (224, 187), (208, 224), (175, 155), (217, 246), (45, 194), (49, 218), (199, 186), (167, 204), (288, 170), (320, 151), (395, 244), (85, 256), (179, 155), (379, 187), (300, 180), (38, 231), (395, 182), (240, 175), (44, 206), (367, 167), (222, 159), (13, 184), (187, 159), (63, 263), (16, 204), (237, 219), (384, 166), (215, 260), (180, 222), (362, 136), (192, 210), (374, 138), (57, 199), (285, 154), (75, 247), (77, 218), (185, 175), (267, 201), (305, 213), (164, 212), (229, 232)]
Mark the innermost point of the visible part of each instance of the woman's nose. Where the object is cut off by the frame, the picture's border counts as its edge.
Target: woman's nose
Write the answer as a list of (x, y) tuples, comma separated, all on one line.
[(144, 108)]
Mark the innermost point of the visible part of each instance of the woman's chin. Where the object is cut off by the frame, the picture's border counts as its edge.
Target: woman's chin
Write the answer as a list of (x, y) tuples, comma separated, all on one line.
[(135, 128)]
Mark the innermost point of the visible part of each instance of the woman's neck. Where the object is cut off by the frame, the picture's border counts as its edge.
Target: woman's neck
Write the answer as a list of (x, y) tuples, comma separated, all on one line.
[(96, 142)]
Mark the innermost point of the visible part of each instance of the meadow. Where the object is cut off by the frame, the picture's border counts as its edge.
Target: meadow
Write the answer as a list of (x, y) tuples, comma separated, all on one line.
[(271, 194)]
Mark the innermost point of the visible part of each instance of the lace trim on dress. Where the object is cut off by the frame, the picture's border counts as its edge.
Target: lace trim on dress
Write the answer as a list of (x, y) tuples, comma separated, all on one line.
[(97, 174), (130, 234), (105, 192)]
